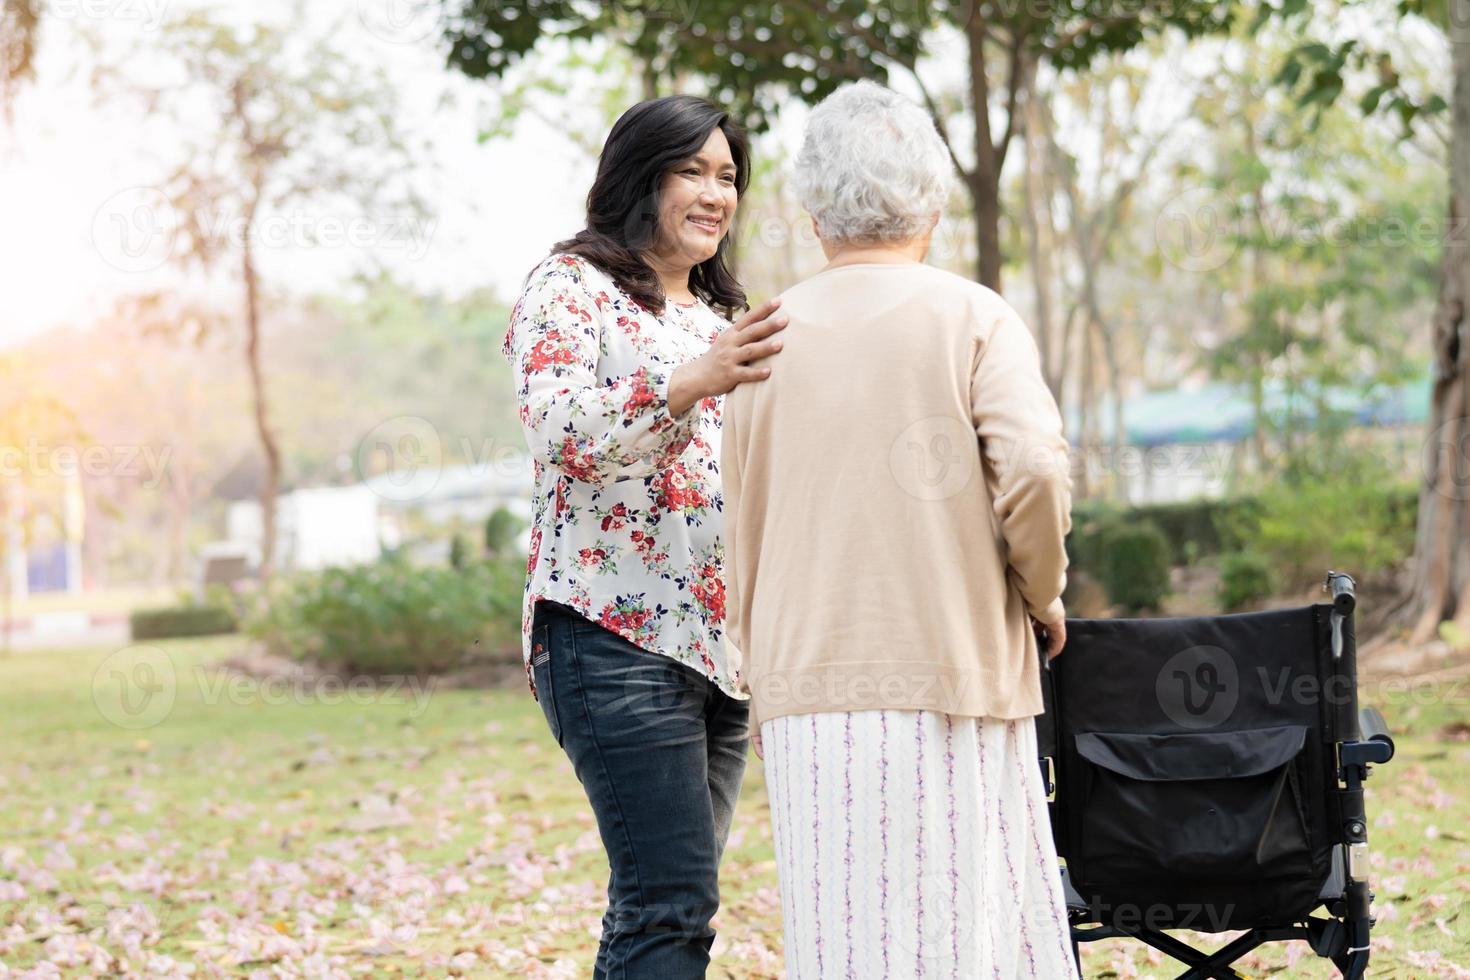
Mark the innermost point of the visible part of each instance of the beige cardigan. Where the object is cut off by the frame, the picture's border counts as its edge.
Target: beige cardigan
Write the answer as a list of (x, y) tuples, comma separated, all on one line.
[(877, 553)]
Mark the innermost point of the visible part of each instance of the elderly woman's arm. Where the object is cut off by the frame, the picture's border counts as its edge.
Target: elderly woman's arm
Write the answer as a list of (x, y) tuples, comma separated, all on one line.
[(1021, 437), (732, 479), (587, 429)]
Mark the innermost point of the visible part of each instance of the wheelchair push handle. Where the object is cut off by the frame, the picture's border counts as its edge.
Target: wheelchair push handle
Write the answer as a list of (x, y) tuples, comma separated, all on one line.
[(1344, 597)]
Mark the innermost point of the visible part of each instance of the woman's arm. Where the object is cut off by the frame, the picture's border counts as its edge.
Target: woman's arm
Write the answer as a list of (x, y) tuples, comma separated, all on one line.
[(589, 430), (1020, 432)]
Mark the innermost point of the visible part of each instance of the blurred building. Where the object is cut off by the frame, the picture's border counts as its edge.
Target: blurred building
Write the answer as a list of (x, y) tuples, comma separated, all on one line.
[(322, 527), (1196, 441)]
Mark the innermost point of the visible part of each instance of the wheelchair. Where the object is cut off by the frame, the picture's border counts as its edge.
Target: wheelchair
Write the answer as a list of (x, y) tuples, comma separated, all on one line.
[(1207, 774)]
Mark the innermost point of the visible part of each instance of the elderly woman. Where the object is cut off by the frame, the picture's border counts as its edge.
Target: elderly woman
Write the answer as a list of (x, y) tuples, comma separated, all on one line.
[(896, 498), (623, 352)]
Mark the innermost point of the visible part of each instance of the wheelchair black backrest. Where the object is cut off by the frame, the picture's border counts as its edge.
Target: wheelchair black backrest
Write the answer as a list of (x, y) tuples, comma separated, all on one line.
[(1206, 673), (1195, 759)]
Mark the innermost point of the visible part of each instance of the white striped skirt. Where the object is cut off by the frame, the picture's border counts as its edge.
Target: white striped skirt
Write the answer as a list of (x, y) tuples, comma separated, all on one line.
[(914, 844)]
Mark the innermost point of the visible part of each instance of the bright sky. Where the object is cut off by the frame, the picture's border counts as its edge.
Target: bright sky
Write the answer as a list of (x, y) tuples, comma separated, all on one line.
[(74, 177), (75, 219)]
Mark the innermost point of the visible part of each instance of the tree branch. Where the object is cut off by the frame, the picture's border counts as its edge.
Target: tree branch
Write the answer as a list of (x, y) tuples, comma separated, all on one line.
[(933, 108), (1013, 85)]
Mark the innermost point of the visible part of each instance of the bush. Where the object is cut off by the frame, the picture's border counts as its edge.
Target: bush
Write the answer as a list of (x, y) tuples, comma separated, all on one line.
[(1245, 577), (1192, 528), (1362, 518), (1090, 519), (459, 551), (394, 618), (176, 621), (1132, 563), (501, 528), (1189, 527)]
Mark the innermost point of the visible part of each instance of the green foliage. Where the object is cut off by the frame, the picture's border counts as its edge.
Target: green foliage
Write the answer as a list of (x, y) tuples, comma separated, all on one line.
[(459, 550), (1324, 241), (501, 528), (392, 617), (1245, 577), (1188, 526), (1135, 565), (1334, 509), (188, 620), (1191, 528), (752, 57), (1315, 73), (1089, 518), (409, 353), (1129, 556), (1359, 516)]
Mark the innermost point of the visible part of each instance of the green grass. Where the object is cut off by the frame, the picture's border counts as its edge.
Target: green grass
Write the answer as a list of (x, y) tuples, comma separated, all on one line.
[(240, 829)]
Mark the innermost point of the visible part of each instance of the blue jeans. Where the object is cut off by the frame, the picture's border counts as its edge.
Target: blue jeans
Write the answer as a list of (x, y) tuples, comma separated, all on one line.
[(660, 752)]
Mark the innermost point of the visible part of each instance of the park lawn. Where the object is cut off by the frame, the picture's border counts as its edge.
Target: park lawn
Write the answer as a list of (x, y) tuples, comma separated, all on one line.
[(157, 814)]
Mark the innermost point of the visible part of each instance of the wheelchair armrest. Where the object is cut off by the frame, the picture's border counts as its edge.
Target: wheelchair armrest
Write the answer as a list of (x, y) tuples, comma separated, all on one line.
[(1374, 743), (1372, 726)]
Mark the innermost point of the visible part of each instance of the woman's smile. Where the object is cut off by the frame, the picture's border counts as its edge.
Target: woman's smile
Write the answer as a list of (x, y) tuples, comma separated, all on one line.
[(707, 223)]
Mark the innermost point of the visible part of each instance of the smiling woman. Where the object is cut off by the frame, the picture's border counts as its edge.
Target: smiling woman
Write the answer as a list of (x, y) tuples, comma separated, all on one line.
[(623, 350), (696, 203)]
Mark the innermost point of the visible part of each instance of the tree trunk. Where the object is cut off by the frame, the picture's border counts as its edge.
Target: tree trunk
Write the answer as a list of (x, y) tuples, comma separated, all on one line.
[(1087, 427), (984, 180), (1442, 547), (1089, 258), (1086, 255), (1067, 341), (1033, 197), (1257, 278), (1120, 431), (262, 423)]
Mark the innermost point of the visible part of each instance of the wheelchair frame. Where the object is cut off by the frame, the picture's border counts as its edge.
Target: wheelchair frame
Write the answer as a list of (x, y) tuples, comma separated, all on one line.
[(1344, 935)]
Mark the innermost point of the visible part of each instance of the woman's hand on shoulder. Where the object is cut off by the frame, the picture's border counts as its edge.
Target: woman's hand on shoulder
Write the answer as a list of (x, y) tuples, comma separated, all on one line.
[(727, 362)]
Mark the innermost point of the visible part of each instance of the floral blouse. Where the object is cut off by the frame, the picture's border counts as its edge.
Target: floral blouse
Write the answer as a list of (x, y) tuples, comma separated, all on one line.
[(626, 508)]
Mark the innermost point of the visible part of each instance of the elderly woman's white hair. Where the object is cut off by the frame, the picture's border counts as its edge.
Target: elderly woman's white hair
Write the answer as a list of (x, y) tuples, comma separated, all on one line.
[(872, 167)]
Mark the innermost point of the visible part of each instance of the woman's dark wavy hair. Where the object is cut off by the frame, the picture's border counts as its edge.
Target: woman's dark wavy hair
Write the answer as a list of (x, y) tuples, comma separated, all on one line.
[(646, 142)]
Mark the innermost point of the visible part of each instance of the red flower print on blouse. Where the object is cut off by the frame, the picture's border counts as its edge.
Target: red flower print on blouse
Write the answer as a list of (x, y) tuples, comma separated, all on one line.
[(578, 463), (611, 464), (709, 591), (675, 490), (592, 559), (616, 518), (550, 351), (535, 551), (628, 617), (642, 394)]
